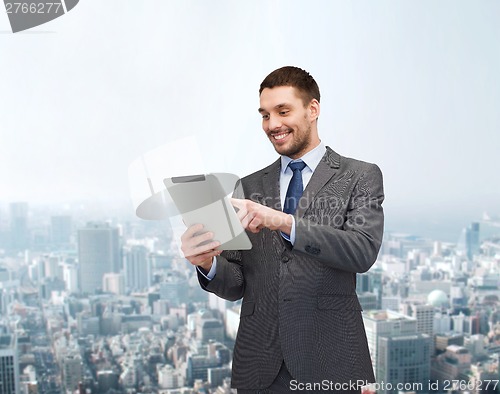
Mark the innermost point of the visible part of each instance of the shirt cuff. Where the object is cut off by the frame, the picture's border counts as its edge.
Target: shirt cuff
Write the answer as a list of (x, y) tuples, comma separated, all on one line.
[(210, 274), (290, 238)]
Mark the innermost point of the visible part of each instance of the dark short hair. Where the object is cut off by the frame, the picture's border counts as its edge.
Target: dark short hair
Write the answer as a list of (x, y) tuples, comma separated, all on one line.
[(293, 76)]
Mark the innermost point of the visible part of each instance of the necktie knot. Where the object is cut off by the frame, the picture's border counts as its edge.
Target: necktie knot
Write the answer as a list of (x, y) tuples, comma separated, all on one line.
[(297, 165)]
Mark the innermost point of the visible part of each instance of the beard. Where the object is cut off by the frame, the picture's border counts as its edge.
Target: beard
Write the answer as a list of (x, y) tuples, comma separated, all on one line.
[(301, 139)]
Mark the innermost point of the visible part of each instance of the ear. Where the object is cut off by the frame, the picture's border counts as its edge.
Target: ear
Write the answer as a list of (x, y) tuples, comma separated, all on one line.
[(314, 109)]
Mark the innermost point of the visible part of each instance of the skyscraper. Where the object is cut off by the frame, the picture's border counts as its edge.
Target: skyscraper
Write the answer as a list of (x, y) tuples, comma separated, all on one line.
[(424, 315), (472, 240), (404, 359), (53, 267), (136, 267), (399, 353), (98, 253), (469, 243), (60, 230), (72, 371), (9, 365), (380, 323), (19, 235)]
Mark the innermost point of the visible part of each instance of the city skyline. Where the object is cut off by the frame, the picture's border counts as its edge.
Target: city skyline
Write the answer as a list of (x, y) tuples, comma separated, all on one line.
[(430, 310), (446, 228)]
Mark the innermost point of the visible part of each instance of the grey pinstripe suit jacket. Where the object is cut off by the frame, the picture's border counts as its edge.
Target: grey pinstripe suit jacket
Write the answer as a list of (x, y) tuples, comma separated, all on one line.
[(299, 303)]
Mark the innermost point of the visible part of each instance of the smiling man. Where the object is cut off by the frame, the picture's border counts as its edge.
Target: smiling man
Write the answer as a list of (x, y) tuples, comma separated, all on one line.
[(315, 219)]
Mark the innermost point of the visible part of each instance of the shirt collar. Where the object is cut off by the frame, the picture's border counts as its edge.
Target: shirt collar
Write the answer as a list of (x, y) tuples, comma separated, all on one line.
[(311, 158)]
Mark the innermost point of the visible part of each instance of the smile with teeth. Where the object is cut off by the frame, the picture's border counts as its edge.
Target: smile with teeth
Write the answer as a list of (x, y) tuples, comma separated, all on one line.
[(280, 136)]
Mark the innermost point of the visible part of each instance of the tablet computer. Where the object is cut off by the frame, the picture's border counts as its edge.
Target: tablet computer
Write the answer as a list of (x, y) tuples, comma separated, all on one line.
[(202, 199)]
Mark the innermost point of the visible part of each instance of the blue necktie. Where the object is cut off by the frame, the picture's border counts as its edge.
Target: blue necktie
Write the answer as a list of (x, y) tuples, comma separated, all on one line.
[(295, 188)]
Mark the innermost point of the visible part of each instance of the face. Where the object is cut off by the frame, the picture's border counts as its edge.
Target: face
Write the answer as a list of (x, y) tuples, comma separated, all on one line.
[(289, 125)]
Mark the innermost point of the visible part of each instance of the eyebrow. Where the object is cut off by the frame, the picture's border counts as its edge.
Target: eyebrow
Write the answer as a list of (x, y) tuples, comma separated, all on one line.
[(279, 106)]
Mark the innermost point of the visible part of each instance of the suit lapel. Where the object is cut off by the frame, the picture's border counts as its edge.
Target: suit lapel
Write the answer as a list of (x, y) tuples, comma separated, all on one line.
[(271, 186), (325, 170)]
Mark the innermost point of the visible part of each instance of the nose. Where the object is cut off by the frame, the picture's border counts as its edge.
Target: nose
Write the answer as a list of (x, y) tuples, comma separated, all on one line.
[(275, 123)]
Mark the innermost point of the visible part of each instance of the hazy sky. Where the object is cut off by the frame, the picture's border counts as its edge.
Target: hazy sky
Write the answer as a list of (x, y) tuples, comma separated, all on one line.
[(413, 86)]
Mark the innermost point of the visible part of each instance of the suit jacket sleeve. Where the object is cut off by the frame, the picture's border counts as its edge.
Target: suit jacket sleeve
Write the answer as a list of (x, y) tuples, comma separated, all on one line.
[(228, 282), (354, 246)]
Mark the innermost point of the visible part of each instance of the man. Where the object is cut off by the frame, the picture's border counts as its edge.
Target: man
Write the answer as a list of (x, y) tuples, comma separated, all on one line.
[(315, 220)]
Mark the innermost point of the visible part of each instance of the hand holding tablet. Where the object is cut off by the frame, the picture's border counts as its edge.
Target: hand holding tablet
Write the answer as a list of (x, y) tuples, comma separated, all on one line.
[(201, 199)]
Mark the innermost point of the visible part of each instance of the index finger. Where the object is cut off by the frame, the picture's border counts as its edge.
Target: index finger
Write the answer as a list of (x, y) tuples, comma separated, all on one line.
[(238, 203)]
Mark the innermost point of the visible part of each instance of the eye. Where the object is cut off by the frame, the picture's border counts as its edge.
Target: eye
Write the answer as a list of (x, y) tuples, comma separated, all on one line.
[(265, 117), (284, 113)]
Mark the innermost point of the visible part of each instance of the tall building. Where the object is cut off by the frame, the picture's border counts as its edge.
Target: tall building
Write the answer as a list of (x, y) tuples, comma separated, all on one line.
[(424, 315), (404, 358), (52, 267), (380, 323), (469, 240), (98, 253), (72, 371), (137, 268), (9, 365), (472, 240), (399, 353), (60, 230), (19, 234)]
